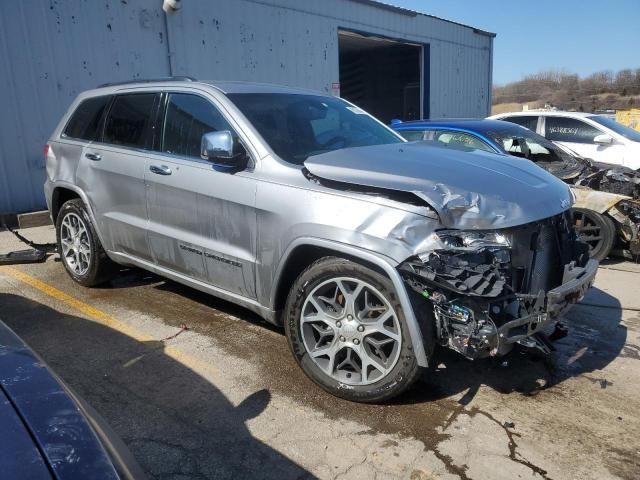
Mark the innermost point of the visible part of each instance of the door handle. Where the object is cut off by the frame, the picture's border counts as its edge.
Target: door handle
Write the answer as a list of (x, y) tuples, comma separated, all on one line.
[(160, 169), (93, 156)]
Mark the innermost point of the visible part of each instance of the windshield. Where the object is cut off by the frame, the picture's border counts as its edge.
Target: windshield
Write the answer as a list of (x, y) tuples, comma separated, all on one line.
[(620, 129), (298, 126), (522, 142)]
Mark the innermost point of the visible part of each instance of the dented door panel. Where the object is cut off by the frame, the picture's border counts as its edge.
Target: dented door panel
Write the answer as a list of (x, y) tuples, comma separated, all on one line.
[(202, 222)]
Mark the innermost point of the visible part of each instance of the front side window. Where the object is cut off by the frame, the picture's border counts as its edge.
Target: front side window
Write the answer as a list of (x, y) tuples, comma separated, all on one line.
[(461, 139), (526, 121), (564, 129), (412, 135), (187, 119), (297, 126), (620, 129), (130, 119), (523, 143), (85, 120)]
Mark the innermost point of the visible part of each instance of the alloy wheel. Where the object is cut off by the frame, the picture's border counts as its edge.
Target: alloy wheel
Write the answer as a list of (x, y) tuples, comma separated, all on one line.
[(350, 331), (75, 243)]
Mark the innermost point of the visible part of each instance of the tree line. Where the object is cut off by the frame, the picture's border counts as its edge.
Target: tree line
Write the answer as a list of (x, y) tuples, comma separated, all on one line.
[(567, 91)]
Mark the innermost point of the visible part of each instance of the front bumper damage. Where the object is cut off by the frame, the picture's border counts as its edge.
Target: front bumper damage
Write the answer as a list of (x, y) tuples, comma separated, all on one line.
[(489, 297)]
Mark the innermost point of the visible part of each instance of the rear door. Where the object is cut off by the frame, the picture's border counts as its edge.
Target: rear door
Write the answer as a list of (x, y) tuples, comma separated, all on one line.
[(113, 172), (202, 218)]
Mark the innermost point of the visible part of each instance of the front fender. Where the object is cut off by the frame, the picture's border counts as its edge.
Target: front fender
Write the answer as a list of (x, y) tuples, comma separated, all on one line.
[(595, 200), (386, 264)]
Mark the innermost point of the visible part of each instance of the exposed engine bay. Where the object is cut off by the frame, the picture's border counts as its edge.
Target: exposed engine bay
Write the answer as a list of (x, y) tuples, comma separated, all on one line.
[(492, 289), (608, 178)]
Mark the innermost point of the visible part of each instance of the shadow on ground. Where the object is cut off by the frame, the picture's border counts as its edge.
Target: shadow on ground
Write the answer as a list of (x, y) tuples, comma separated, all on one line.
[(596, 337), (174, 421)]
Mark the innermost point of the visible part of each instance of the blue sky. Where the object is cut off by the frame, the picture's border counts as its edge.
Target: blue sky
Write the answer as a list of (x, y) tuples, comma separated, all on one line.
[(533, 35)]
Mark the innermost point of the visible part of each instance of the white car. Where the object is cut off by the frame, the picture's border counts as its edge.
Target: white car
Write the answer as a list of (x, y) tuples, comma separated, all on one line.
[(591, 136)]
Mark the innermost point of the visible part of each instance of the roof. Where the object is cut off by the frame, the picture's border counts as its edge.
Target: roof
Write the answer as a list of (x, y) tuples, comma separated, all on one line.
[(413, 13), (255, 87), (556, 113), (473, 124), (225, 87)]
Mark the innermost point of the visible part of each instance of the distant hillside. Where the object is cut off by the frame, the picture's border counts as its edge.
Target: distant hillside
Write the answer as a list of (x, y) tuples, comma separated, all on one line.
[(567, 91)]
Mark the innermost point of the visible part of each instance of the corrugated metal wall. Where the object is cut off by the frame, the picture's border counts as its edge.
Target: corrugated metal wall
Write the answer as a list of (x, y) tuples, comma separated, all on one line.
[(51, 50)]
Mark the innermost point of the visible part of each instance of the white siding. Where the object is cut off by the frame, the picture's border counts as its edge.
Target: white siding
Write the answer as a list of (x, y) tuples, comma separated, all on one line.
[(53, 50)]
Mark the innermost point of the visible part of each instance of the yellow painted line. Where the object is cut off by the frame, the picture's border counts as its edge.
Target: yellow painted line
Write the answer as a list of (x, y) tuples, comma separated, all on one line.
[(89, 311), (106, 319)]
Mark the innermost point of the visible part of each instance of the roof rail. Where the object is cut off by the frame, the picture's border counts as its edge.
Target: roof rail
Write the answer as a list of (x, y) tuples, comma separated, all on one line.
[(150, 80)]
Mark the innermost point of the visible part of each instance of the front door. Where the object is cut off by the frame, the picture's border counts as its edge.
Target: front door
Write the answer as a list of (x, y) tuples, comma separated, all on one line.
[(578, 136), (202, 220)]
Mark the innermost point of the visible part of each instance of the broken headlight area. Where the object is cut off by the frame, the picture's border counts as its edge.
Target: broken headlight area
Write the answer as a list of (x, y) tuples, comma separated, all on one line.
[(489, 290)]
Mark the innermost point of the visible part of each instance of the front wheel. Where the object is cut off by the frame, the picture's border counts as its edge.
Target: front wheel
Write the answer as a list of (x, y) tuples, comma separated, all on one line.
[(596, 230), (347, 331)]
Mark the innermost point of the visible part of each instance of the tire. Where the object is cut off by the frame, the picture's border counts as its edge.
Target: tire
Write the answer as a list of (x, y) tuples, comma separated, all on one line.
[(84, 260), (390, 365), (596, 230)]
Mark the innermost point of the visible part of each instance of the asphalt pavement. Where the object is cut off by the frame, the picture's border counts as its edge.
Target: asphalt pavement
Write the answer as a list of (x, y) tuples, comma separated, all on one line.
[(200, 388)]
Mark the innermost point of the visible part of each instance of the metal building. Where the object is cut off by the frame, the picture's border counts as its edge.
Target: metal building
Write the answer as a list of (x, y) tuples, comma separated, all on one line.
[(391, 61)]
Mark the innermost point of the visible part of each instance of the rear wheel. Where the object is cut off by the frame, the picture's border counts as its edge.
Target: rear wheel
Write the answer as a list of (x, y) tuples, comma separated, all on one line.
[(347, 331), (596, 230), (80, 249)]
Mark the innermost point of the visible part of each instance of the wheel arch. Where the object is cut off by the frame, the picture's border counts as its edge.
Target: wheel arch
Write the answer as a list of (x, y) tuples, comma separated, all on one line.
[(302, 252), (63, 192)]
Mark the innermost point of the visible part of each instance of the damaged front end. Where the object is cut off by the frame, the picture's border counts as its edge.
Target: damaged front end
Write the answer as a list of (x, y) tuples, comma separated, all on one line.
[(492, 289), (626, 213)]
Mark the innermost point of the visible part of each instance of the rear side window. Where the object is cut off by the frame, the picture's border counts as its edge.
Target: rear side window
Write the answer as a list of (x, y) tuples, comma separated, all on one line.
[(462, 139), (412, 135), (188, 117), (85, 120), (561, 129), (130, 119), (527, 121)]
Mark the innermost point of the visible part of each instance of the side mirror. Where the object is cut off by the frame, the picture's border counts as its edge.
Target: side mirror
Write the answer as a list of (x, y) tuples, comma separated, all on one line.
[(603, 139), (222, 149)]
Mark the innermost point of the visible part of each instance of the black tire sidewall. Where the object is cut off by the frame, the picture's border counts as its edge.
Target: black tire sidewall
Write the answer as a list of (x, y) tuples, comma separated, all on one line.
[(406, 369), (91, 276)]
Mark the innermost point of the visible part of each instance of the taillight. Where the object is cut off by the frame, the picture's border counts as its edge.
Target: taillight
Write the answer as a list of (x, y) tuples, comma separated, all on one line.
[(46, 150)]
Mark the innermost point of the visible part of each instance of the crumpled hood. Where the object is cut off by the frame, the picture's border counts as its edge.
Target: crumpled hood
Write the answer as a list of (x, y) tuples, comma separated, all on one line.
[(471, 190)]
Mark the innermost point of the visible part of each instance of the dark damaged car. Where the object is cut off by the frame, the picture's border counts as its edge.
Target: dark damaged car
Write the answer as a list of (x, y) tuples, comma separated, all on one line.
[(606, 211), (368, 250), (47, 431)]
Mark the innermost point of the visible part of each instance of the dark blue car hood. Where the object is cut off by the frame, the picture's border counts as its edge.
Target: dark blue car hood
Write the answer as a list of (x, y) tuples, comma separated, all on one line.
[(47, 431)]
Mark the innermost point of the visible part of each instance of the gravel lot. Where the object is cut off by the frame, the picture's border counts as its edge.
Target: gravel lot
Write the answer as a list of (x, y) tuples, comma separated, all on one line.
[(225, 399)]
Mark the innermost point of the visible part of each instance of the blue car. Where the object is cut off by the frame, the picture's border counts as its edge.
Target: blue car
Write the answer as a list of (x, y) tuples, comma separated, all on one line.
[(607, 207), (46, 430)]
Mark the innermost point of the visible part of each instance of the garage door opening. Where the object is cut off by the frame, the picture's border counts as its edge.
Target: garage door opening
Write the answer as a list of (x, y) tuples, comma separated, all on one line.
[(383, 76)]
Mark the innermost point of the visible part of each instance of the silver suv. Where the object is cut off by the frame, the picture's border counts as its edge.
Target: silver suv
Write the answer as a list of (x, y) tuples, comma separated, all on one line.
[(368, 250)]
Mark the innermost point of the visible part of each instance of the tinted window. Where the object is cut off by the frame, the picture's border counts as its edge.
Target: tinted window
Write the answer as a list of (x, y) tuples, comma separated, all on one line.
[(563, 129), (412, 135), (461, 139), (527, 121), (85, 121), (188, 117), (617, 127), (297, 126), (129, 120)]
